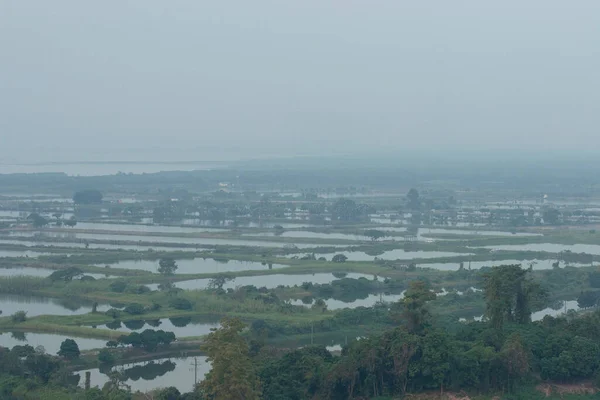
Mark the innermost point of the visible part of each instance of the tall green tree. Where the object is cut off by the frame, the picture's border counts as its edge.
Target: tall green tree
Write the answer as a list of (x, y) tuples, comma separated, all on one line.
[(233, 376), (415, 312), (509, 291)]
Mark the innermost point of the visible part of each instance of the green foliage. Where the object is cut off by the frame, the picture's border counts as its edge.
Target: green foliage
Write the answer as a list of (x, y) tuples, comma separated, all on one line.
[(508, 294), (414, 306), (339, 258), (179, 303), (375, 234), (19, 316), (149, 339), (134, 309), (87, 197), (37, 220), (69, 349), (66, 275), (167, 266), (106, 357), (118, 286), (233, 375)]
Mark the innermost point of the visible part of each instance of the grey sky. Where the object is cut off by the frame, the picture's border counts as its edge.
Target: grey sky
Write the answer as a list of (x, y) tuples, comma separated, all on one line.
[(220, 77)]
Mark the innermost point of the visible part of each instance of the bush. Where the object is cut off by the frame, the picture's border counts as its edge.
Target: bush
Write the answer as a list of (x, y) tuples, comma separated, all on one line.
[(19, 316), (118, 286), (339, 258), (179, 303), (106, 357), (113, 313), (134, 309)]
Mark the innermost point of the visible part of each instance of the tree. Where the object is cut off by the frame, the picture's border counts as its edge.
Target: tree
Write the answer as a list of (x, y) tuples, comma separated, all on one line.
[(413, 199), (375, 234), (19, 316), (71, 222), (66, 275), (516, 360), (69, 349), (179, 303), (170, 393), (320, 305), (37, 220), (414, 306), (232, 376), (106, 357), (339, 258), (167, 266), (134, 309), (588, 299), (87, 197), (118, 286), (551, 216), (218, 281), (508, 294)]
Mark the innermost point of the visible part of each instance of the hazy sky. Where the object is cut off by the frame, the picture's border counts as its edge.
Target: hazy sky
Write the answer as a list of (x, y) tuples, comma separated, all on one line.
[(218, 77)]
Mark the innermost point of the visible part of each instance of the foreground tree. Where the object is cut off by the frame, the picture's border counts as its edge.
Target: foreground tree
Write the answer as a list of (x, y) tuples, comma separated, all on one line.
[(508, 294), (414, 306), (232, 376)]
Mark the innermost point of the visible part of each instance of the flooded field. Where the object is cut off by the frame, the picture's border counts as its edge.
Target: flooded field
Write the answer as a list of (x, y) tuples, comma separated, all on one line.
[(536, 264), (196, 265), (397, 254), (25, 271), (440, 231), (149, 375), (312, 235), (20, 253), (370, 301), (181, 327), (268, 281), (147, 239), (145, 228), (550, 248), (33, 306), (50, 343)]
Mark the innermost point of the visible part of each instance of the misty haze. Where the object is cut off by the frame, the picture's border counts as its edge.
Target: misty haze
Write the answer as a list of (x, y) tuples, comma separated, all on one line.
[(299, 200)]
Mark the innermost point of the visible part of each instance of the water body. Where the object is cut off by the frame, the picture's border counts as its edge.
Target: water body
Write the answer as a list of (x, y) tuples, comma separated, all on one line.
[(145, 228), (150, 375), (268, 281), (181, 327), (537, 264), (34, 306), (440, 231), (21, 253), (50, 342), (25, 271), (550, 247), (196, 265), (164, 239), (370, 301), (397, 254), (567, 306), (570, 305), (312, 235)]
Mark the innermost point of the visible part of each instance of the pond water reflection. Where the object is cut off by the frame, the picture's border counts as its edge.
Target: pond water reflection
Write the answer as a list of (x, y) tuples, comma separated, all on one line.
[(50, 342), (150, 375), (34, 306)]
